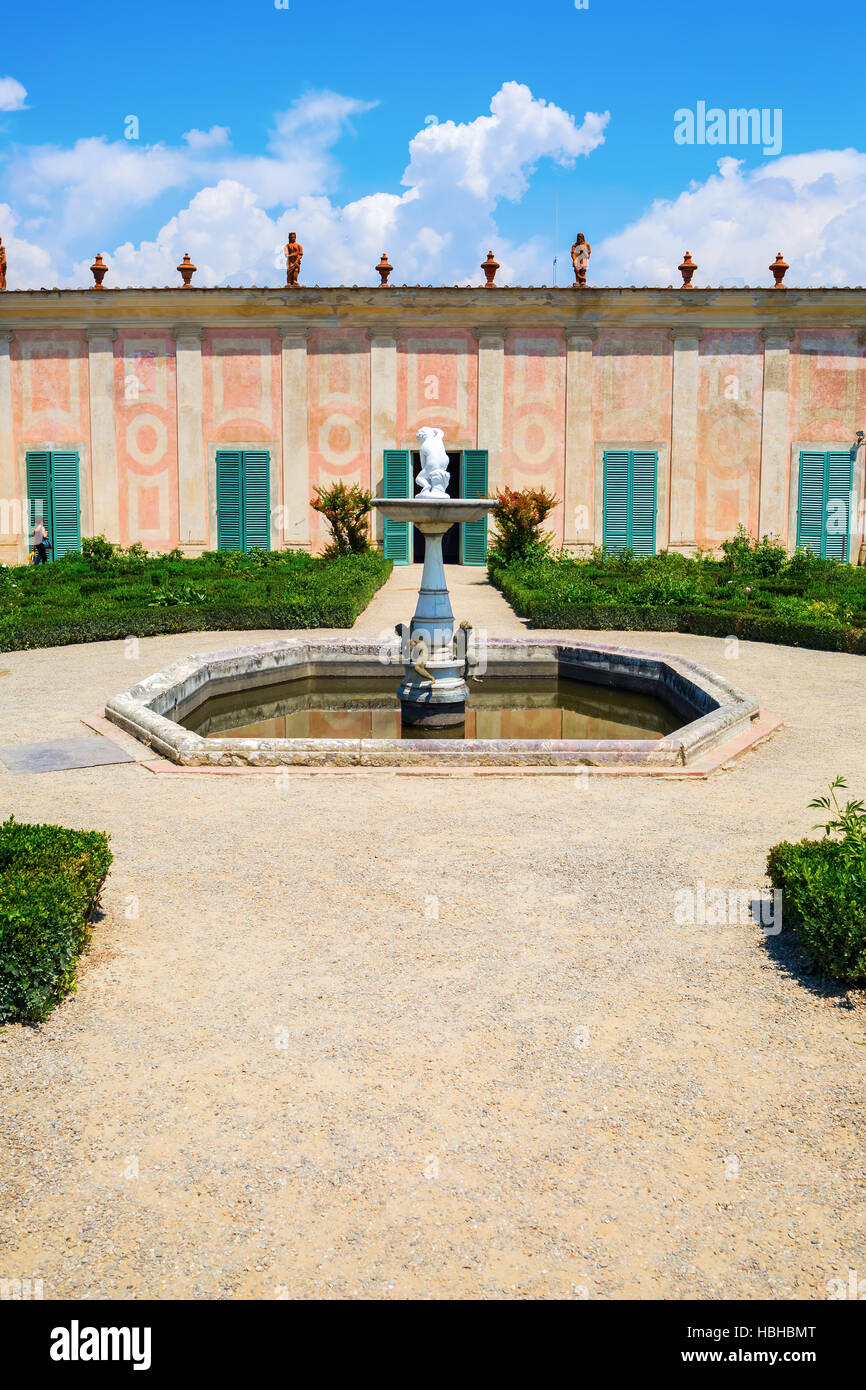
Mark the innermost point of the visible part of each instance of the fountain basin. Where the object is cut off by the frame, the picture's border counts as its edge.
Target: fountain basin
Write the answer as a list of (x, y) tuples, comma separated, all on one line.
[(434, 514), (710, 711)]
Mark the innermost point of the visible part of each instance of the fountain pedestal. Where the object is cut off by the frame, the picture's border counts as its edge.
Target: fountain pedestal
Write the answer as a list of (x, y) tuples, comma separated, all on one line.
[(433, 692)]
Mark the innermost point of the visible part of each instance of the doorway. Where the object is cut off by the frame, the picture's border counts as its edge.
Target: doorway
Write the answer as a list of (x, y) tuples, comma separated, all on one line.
[(451, 539)]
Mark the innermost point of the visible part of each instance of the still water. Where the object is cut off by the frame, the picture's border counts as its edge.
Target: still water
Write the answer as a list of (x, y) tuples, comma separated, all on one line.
[(496, 709)]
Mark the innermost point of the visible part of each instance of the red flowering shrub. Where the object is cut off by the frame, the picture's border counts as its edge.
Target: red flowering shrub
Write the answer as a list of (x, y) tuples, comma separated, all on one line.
[(519, 517)]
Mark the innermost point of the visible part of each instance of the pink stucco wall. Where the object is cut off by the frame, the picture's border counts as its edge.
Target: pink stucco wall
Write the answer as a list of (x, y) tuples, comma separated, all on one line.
[(50, 389), (533, 421), (437, 384), (145, 386), (338, 384), (728, 480)]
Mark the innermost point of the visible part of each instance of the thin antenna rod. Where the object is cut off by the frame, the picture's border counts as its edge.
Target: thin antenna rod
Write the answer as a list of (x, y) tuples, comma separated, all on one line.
[(555, 234)]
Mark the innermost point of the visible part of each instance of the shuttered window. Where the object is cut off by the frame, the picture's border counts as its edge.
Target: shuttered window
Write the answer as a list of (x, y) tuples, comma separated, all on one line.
[(243, 499), (397, 535), (473, 483), (824, 503), (630, 500), (52, 493)]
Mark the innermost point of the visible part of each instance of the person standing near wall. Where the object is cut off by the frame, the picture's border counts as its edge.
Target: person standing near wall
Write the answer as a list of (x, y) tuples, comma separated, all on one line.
[(41, 543)]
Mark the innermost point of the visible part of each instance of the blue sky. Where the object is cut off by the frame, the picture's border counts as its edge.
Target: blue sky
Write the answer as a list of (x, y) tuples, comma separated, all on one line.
[(70, 184)]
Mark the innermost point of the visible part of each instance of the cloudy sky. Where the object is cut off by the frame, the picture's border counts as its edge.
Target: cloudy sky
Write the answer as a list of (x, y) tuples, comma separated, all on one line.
[(434, 133)]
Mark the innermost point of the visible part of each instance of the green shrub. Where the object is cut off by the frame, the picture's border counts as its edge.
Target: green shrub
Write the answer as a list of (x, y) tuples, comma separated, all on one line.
[(823, 883), (50, 882), (757, 557), (101, 597), (346, 510), (808, 602), (519, 517)]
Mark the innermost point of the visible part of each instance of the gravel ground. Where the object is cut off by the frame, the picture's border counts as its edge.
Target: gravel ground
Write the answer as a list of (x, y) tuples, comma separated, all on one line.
[(317, 1052)]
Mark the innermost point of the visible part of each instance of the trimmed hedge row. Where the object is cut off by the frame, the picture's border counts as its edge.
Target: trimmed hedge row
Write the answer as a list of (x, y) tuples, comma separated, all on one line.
[(548, 610), (823, 883), (71, 601), (50, 883)]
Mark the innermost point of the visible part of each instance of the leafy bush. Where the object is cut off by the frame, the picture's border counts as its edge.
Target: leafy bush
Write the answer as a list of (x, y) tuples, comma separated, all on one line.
[(50, 882), (101, 596), (824, 889), (765, 557), (346, 510), (808, 602), (519, 517)]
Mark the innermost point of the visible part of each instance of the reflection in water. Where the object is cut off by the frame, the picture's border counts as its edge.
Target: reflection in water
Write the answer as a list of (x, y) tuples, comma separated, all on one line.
[(496, 709)]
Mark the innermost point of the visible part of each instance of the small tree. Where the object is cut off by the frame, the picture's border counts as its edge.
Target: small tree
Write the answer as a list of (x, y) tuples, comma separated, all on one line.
[(519, 517), (346, 510)]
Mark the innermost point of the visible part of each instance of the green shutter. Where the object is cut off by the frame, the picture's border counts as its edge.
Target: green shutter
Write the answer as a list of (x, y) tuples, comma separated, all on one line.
[(39, 491), (52, 493), (473, 483), (66, 508), (840, 481), (644, 470), (824, 503), (398, 483), (229, 469), (256, 500), (630, 500), (616, 500)]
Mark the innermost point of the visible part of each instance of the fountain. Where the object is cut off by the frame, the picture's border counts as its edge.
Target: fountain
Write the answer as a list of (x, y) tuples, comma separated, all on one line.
[(433, 690), (546, 702)]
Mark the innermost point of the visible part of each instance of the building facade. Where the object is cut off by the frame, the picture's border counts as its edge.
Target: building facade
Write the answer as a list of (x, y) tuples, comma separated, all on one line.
[(206, 417)]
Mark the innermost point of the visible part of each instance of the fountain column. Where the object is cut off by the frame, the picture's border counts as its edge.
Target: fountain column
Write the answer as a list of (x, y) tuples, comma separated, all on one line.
[(433, 692)]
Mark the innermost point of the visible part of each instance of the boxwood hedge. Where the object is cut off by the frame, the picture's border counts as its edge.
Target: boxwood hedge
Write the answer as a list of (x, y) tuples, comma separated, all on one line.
[(50, 882), (756, 593), (105, 594), (823, 885)]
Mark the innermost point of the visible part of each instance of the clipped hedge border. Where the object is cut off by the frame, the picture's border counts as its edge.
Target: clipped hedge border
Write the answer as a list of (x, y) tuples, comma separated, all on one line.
[(338, 605), (545, 611), (50, 883), (823, 885)]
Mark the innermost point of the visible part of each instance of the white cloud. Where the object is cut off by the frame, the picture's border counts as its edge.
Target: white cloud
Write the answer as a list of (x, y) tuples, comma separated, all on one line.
[(493, 156), (30, 266), (242, 207), (810, 206), (12, 95), (207, 139)]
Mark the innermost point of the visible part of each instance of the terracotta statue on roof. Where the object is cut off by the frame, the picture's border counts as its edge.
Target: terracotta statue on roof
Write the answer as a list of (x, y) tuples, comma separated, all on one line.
[(2, 265), (294, 256), (580, 254)]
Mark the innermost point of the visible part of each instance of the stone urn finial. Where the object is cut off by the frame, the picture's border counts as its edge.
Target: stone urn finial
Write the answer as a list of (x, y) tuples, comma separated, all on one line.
[(187, 271), (384, 268), (687, 270), (778, 268), (490, 267), (98, 270)]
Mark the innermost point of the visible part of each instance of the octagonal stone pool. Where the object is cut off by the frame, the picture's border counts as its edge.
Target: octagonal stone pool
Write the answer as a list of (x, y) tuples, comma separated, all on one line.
[(541, 702)]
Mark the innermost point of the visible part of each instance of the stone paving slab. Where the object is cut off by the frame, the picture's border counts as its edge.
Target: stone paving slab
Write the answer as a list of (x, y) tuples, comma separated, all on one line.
[(61, 755)]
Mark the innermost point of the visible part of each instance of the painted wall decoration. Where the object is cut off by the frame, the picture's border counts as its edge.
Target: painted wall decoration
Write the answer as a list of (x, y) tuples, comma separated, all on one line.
[(827, 387), (631, 388), (338, 379), (728, 482), (145, 381), (437, 384), (533, 421), (50, 401)]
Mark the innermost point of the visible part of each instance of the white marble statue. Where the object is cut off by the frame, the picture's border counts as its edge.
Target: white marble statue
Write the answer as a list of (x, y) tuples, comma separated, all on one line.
[(434, 475)]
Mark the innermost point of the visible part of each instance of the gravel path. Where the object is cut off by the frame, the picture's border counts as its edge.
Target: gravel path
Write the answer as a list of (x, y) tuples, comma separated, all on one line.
[(300, 1061)]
